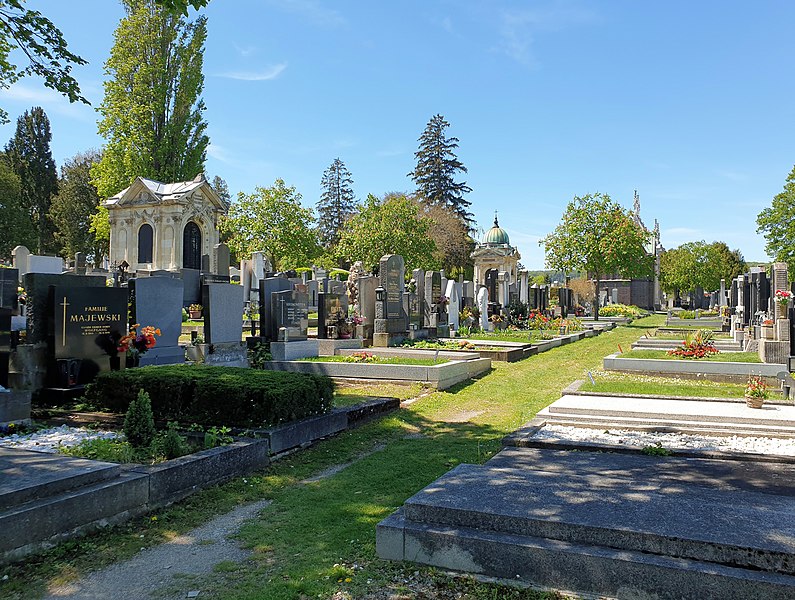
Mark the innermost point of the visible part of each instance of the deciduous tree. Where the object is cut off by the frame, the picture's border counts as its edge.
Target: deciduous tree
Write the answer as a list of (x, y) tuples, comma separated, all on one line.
[(74, 205), (437, 167), (152, 112), (777, 223), (336, 204), (272, 220), (392, 225), (30, 156), (598, 236), (454, 245), (699, 265)]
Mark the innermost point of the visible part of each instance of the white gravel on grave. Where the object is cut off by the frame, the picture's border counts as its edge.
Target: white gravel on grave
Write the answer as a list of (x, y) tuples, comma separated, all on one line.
[(48, 440), (672, 441)]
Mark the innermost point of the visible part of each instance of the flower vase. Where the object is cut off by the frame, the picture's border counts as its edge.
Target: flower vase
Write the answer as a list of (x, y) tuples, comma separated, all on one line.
[(754, 401)]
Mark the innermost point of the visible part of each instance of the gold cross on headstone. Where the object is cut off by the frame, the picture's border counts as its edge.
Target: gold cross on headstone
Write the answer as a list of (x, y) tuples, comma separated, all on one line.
[(63, 333)]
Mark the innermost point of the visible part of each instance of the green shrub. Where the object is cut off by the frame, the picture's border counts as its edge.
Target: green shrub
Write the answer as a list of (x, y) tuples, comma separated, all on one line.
[(216, 395), (170, 443), (139, 423)]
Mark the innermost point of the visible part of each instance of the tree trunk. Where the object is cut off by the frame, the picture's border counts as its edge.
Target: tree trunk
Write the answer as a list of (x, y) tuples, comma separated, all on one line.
[(596, 300)]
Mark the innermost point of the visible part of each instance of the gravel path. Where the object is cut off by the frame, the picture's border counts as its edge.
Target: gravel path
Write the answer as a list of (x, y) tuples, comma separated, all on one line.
[(682, 441), (161, 569)]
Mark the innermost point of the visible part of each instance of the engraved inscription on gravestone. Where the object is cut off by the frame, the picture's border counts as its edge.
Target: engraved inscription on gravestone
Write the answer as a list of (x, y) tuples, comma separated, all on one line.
[(89, 323), (290, 315), (392, 274)]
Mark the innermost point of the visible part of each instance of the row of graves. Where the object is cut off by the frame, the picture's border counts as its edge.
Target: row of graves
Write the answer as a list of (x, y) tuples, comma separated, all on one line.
[(761, 313)]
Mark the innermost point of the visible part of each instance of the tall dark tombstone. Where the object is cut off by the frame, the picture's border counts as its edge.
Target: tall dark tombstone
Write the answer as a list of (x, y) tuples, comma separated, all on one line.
[(754, 295), (221, 259), (492, 280), (533, 297), (80, 263), (290, 320), (733, 294), (37, 288), (205, 263), (433, 291), (763, 291), (330, 309), (390, 318), (747, 314), (9, 281), (157, 301), (267, 287), (192, 292), (87, 325), (5, 344)]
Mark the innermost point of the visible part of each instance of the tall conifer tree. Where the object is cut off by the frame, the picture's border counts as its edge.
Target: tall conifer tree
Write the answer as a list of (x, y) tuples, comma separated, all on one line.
[(437, 166), (30, 156), (152, 112), (336, 203)]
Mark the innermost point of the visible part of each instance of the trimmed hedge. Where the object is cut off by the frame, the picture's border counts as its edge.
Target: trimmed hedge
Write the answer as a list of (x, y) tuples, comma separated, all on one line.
[(216, 395)]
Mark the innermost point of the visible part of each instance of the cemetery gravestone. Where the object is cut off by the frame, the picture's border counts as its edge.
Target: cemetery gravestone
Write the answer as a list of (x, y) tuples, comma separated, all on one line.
[(88, 324), (267, 287), (80, 263), (9, 282), (366, 298), (390, 317), (483, 308), (157, 301), (223, 313), (453, 304), (5, 345), (433, 292), (290, 316), (20, 256), (45, 264), (192, 290), (205, 263), (221, 259), (332, 310)]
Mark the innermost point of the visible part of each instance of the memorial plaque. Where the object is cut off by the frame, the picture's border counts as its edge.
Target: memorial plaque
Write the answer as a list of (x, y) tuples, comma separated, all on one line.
[(213, 278), (88, 322), (290, 314)]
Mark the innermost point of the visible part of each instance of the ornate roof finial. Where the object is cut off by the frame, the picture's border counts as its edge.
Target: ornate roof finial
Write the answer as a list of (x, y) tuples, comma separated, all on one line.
[(495, 219), (637, 204)]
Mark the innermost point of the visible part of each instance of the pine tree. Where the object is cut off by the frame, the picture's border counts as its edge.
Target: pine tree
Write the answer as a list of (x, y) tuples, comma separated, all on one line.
[(152, 112), (15, 226), (336, 203), (30, 156), (437, 166)]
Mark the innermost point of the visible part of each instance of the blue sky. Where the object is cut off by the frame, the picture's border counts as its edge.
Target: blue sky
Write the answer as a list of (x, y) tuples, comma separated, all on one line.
[(690, 103)]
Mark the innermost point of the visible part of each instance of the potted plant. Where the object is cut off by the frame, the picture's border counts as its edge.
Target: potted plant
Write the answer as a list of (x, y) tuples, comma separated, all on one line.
[(197, 349), (783, 297), (195, 311), (756, 391)]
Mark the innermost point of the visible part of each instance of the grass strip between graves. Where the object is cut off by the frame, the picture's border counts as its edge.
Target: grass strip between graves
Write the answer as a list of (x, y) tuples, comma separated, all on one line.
[(739, 357), (624, 383), (317, 539)]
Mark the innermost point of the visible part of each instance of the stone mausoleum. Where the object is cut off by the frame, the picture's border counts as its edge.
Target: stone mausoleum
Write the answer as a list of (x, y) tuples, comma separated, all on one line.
[(164, 226), (495, 255)]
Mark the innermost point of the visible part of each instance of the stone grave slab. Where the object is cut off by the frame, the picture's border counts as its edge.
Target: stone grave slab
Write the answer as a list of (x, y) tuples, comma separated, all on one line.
[(223, 312), (45, 264)]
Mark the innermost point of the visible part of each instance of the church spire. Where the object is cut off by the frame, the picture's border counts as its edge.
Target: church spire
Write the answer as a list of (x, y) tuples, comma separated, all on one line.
[(636, 207)]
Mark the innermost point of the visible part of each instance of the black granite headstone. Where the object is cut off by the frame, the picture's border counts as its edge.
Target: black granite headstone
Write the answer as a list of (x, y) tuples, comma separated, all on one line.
[(9, 282), (213, 278), (268, 286), (289, 310), (492, 279), (192, 293), (88, 323), (330, 309), (5, 344)]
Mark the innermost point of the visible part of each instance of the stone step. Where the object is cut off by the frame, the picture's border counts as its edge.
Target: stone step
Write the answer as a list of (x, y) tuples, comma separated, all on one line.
[(63, 515), (779, 415), (26, 475), (578, 567), (608, 523)]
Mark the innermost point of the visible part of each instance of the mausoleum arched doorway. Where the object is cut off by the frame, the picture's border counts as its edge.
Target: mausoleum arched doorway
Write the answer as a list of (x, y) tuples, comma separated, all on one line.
[(192, 246)]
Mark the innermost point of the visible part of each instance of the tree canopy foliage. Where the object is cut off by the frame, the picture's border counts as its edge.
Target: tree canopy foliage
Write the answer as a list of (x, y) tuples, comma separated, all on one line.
[(44, 48), (152, 111), (73, 206), (272, 220), (451, 236), (392, 225), (437, 167), (600, 237), (30, 156), (699, 265), (777, 223), (336, 204)]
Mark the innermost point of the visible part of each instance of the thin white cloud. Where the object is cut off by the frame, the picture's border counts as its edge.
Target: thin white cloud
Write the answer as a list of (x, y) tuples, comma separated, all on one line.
[(518, 28), (219, 153), (271, 72), (447, 25), (312, 10), (50, 100), (245, 51)]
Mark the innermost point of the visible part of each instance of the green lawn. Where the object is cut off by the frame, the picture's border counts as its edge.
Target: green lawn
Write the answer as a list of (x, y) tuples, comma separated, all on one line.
[(741, 357), (306, 543), (624, 383)]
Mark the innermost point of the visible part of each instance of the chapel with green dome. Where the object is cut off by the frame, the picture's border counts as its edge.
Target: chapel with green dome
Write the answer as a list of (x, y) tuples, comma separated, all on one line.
[(494, 255)]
